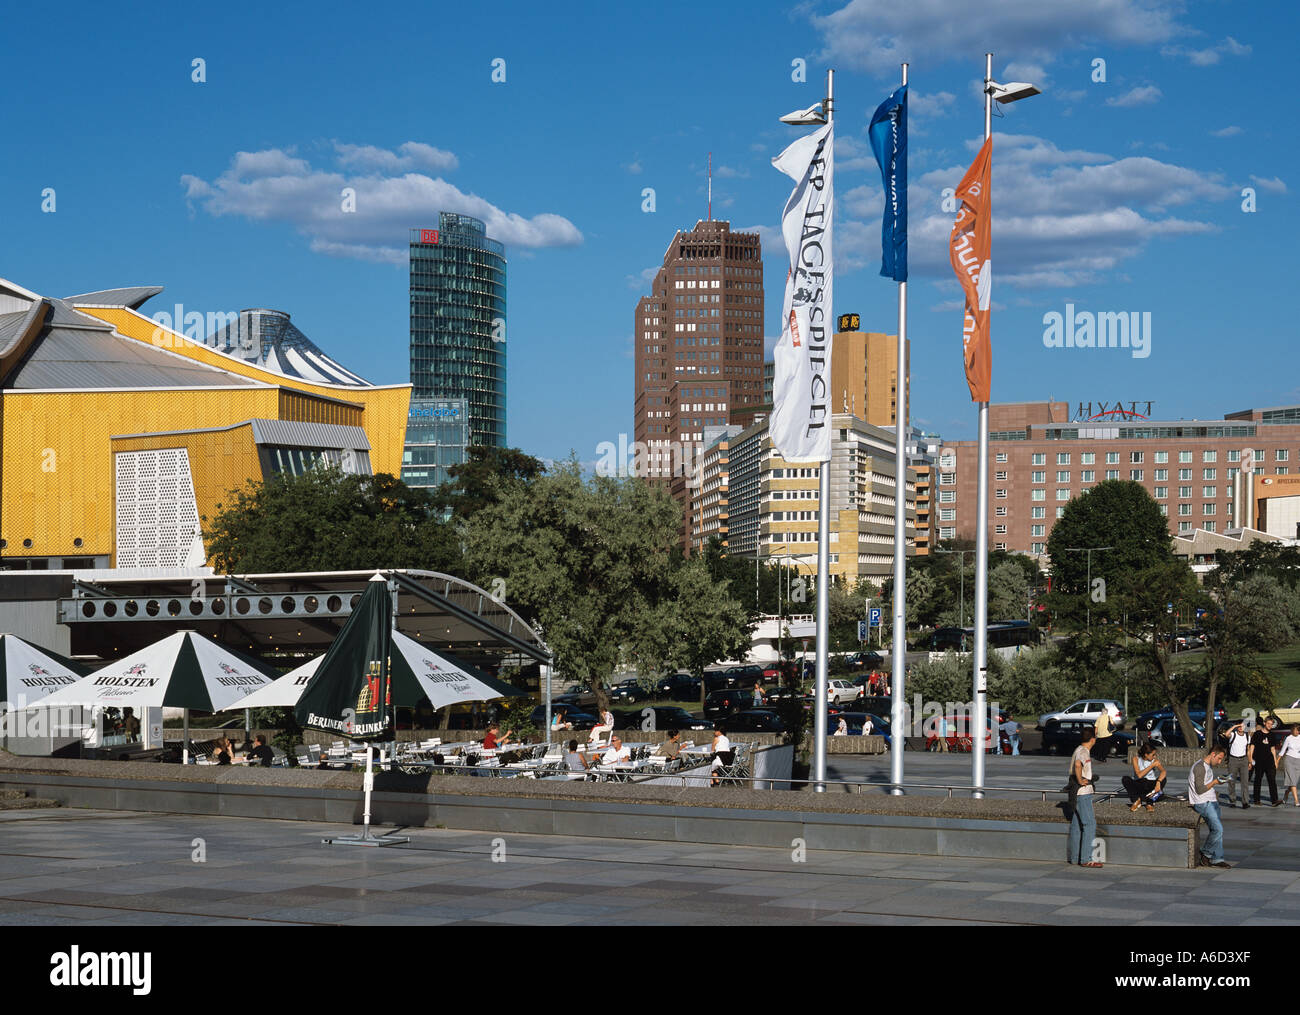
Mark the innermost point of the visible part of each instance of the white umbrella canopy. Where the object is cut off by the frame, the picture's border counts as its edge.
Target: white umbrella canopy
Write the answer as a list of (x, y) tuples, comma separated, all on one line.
[(442, 681), (283, 692), (184, 670), (29, 674)]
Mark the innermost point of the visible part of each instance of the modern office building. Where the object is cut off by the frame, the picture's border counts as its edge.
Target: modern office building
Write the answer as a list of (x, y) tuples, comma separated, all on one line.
[(1211, 475), (864, 372), (710, 498), (772, 507), (437, 437), (121, 435), (698, 340), (458, 322)]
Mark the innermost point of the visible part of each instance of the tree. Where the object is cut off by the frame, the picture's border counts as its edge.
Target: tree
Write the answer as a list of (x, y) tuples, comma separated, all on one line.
[(1117, 514), (326, 520), (479, 481), (703, 622), (594, 565), (1255, 613)]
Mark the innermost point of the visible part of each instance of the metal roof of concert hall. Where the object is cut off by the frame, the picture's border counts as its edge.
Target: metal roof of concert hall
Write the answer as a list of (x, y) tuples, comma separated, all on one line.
[(111, 613)]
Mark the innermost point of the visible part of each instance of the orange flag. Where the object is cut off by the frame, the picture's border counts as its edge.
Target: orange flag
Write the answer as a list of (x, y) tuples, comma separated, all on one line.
[(969, 248)]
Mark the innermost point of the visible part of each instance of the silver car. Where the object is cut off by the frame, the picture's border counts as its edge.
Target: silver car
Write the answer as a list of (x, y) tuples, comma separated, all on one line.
[(1087, 708)]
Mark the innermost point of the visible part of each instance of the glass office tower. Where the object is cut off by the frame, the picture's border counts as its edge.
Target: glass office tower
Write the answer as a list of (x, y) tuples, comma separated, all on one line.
[(437, 434), (458, 322)]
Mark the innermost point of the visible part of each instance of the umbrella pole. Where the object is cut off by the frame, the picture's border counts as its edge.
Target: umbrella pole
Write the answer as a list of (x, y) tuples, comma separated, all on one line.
[(369, 785), (185, 740), (365, 838)]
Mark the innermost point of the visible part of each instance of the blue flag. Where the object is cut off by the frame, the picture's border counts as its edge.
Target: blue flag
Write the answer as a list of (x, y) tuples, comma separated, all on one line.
[(888, 134)]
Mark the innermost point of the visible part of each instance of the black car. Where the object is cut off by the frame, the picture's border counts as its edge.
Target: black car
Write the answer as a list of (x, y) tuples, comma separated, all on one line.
[(744, 676), (721, 703), (866, 661), (1062, 736), (1148, 719), (629, 691), (571, 714), (679, 686), (755, 720), (665, 717)]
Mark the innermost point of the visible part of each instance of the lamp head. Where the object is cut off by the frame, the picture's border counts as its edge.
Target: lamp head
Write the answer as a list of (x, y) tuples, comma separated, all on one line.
[(1014, 91), (812, 116)]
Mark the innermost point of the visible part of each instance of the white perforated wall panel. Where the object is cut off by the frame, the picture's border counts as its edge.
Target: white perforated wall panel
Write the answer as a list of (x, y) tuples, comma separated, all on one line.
[(157, 516)]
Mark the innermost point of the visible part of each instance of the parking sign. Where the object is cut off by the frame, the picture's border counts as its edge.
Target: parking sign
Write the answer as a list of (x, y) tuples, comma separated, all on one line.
[(874, 614), (862, 630)]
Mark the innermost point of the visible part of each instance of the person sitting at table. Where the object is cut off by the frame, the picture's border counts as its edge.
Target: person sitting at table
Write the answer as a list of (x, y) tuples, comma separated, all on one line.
[(495, 738), (616, 753), (558, 723), (722, 753), (672, 747), (842, 730), (573, 759), (606, 726), (261, 752), (223, 754)]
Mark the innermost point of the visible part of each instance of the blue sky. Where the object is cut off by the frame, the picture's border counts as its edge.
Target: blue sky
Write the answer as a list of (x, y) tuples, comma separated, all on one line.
[(1122, 195)]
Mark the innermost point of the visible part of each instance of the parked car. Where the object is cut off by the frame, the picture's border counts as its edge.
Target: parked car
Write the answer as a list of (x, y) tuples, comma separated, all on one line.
[(809, 702), (1062, 736), (1146, 720), (580, 695), (754, 720), (721, 703), (744, 675), (866, 661), (679, 686), (783, 672), (879, 725), (572, 714), (629, 692), (840, 692), (665, 717), (1088, 708), (1166, 733), (775, 693)]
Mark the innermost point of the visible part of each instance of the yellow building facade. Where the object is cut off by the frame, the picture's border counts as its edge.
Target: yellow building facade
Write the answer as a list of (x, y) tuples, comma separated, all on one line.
[(90, 384)]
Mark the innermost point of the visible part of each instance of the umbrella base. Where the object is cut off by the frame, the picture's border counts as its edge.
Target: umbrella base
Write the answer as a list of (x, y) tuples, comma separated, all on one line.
[(365, 839)]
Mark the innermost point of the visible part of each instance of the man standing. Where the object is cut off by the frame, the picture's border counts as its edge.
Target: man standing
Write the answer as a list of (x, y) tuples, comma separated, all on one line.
[(1238, 763), (1012, 729), (1263, 759), (758, 694), (1083, 822), (1205, 801)]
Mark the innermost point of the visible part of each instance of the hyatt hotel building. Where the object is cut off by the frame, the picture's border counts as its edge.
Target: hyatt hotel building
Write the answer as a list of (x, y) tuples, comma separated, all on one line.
[(1212, 475)]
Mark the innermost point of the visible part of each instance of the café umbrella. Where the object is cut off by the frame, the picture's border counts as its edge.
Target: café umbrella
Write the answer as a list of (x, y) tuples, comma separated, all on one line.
[(29, 673), (283, 692), (184, 670)]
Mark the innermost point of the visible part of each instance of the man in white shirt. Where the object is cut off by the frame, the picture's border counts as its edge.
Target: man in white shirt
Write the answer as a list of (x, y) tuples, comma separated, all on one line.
[(617, 752), (1083, 822), (1238, 763), (721, 746), (1205, 801)]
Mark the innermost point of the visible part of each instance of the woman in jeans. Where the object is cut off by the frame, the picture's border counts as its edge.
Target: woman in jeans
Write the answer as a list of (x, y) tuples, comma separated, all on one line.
[(1148, 777), (1083, 824)]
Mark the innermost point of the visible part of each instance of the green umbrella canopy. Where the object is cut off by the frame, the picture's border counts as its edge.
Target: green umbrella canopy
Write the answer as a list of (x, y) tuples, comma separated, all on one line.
[(30, 673)]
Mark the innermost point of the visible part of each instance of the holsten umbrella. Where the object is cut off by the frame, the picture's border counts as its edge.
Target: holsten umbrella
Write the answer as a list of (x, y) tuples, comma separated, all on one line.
[(29, 673), (283, 692), (184, 670)]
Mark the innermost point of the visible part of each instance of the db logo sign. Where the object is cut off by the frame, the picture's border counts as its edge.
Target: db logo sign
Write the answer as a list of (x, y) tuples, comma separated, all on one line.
[(428, 236)]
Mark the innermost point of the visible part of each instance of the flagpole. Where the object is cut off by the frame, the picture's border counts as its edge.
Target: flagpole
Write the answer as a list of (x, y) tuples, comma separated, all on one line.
[(823, 561), (981, 621), (900, 543)]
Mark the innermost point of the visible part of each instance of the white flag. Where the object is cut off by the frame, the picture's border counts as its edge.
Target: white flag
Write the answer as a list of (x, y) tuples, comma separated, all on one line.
[(800, 424)]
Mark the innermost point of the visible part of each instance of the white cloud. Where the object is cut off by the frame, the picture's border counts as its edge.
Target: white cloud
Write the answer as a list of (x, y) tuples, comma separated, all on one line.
[(878, 35), (411, 155), (1230, 131), (1063, 217), (731, 173), (1208, 57), (1275, 185), (1143, 95), (634, 167), (930, 106), (643, 279), (852, 154), (276, 186)]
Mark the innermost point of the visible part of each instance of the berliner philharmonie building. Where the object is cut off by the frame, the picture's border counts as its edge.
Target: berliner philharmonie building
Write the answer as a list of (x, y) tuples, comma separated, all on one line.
[(118, 435)]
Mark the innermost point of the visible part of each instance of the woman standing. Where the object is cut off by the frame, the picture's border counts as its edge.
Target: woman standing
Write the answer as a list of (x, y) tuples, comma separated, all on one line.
[(1083, 821), (1289, 760), (1148, 777)]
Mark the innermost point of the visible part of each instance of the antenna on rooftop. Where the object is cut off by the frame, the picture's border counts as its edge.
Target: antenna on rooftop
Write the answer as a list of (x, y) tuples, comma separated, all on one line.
[(710, 186)]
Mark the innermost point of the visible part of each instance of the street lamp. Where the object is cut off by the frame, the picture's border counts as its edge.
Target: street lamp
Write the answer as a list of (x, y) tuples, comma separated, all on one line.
[(961, 619), (1088, 591)]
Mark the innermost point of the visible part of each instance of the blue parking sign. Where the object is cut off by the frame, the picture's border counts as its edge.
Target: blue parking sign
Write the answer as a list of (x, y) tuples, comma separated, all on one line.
[(874, 614)]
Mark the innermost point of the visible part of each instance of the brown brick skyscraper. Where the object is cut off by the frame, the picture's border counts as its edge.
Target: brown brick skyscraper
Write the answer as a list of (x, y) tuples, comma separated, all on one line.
[(699, 343)]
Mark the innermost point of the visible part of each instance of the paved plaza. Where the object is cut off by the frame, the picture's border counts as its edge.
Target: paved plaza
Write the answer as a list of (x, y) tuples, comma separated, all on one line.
[(103, 868)]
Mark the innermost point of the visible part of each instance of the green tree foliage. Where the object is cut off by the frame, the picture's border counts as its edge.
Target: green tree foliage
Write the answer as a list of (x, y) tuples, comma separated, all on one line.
[(480, 480), (326, 520), (594, 564), (1118, 514), (701, 620)]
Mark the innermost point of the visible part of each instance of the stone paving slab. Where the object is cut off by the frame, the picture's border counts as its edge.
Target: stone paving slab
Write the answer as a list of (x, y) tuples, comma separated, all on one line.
[(280, 873)]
